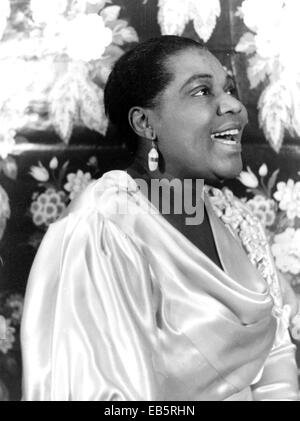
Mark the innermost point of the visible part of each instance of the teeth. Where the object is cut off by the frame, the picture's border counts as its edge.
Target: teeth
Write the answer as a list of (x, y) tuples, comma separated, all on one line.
[(232, 132), (227, 142), (226, 137)]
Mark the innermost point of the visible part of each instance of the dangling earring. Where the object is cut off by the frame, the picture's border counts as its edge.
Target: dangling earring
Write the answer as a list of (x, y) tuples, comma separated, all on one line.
[(153, 157)]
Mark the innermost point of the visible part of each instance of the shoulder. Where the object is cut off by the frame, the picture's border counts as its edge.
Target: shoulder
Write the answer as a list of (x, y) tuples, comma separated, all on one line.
[(106, 196), (112, 209)]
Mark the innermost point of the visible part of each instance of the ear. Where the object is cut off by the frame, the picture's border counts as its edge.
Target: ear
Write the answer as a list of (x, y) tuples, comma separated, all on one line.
[(139, 122)]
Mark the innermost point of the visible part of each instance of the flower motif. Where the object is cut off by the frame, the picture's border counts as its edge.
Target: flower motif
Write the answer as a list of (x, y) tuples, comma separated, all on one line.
[(264, 209), (43, 12), (288, 196), (232, 217), (81, 33), (53, 164), (286, 251), (263, 170), (10, 167), (39, 172), (48, 207), (4, 210), (15, 302), (255, 21), (7, 342), (42, 46), (217, 199), (4, 14), (248, 178), (7, 143), (93, 161), (77, 182)]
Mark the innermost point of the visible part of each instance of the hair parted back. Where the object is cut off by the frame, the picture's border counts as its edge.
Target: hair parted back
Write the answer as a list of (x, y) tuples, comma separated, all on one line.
[(137, 79)]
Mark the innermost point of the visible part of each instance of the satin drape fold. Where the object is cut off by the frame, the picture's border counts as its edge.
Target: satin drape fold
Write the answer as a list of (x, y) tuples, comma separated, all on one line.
[(121, 306)]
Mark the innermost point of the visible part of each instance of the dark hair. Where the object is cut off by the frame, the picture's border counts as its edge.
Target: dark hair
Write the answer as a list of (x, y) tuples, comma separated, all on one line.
[(137, 79)]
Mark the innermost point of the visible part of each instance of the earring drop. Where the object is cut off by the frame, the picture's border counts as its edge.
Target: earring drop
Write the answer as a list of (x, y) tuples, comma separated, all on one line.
[(153, 157)]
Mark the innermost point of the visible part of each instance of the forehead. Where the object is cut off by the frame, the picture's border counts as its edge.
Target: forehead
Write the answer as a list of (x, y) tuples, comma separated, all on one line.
[(194, 61)]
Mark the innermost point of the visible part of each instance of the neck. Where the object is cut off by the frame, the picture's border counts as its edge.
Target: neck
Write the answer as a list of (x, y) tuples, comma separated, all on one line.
[(139, 168), (184, 191)]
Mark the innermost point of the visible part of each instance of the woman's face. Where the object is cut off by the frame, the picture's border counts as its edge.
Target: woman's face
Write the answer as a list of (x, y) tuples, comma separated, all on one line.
[(198, 120)]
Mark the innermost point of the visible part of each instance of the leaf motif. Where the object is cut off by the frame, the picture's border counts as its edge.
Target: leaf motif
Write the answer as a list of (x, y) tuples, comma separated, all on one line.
[(62, 172), (122, 34), (100, 69), (295, 129), (295, 115), (93, 6), (274, 113), (117, 24), (273, 63), (273, 128), (272, 181), (63, 107), (204, 15), (63, 122), (110, 13), (4, 15), (258, 70), (10, 168), (173, 15), (256, 191), (112, 53), (91, 110), (246, 44)]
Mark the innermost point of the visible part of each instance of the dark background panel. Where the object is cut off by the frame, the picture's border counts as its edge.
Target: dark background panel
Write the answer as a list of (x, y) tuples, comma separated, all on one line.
[(17, 255)]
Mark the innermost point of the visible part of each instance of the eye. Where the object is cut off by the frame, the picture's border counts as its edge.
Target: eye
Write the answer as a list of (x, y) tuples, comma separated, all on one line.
[(201, 91), (231, 90)]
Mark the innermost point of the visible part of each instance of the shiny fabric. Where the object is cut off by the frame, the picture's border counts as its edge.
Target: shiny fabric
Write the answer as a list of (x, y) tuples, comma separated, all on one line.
[(121, 306)]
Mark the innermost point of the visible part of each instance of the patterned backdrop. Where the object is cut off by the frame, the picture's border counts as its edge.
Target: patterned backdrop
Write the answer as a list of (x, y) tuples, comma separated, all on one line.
[(55, 59)]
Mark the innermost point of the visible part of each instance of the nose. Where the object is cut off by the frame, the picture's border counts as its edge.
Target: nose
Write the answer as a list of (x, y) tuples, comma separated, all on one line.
[(229, 104)]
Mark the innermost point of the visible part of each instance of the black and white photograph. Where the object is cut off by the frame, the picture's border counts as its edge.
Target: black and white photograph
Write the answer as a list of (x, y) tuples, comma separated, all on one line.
[(149, 203)]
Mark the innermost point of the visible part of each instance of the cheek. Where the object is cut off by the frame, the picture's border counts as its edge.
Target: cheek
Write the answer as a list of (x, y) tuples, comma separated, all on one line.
[(245, 114), (190, 118), (186, 133)]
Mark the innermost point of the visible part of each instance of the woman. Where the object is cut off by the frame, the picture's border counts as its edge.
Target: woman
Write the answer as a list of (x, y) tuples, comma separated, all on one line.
[(127, 301)]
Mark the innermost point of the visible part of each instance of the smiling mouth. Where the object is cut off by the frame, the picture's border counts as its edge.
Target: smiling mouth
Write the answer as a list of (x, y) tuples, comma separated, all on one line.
[(227, 137)]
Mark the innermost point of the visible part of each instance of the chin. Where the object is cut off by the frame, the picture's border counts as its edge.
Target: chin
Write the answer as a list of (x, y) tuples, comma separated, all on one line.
[(230, 171)]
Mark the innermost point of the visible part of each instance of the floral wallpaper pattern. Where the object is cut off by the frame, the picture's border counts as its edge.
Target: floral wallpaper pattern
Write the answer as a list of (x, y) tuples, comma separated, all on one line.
[(52, 44), (273, 64), (173, 16), (277, 206), (63, 74), (64, 71)]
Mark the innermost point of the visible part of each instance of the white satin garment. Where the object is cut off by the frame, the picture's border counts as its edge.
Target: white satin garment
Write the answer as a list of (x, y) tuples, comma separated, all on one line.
[(124, 307)]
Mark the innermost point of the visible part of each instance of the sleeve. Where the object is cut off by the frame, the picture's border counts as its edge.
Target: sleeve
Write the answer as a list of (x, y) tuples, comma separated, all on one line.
[(88, 328), (279, 375)]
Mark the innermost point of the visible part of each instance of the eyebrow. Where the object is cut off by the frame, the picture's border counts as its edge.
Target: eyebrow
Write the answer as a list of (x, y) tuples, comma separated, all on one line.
[(200, 76)]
